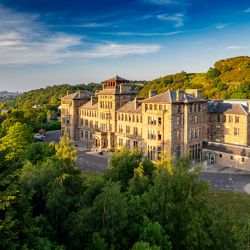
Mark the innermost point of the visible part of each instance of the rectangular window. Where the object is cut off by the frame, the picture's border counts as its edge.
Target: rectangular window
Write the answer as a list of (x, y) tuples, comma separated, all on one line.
[(236, 131), (159, 121), (128, 144), (159, 135), (159, 152), (178, 135), (237, 119), (230, 118), (120, 142), (135, 131), (127, 129)]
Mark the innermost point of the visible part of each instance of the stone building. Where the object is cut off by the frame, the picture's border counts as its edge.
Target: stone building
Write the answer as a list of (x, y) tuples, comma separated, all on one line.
[(70, 112), (178, 122), (228, 134)]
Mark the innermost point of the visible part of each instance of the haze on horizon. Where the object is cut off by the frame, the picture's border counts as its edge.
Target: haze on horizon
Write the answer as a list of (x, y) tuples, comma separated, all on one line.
[(53, 42)]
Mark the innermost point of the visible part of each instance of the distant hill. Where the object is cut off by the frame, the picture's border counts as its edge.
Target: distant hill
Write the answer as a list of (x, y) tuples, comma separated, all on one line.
[(49, 96), (228, 78)]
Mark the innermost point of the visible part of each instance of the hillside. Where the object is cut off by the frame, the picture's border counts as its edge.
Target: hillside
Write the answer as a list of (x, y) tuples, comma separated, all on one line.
[(49, 96), (228, 78)]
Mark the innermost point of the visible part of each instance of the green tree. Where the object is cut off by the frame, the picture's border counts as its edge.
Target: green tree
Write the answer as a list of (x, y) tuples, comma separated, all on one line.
[(16, 140), (66, 151), (154, 233), (36, 152), (109, 213), (142, 245), (122, 165)]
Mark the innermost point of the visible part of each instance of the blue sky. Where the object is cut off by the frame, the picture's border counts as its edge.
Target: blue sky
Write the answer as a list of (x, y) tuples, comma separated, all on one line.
[(46, 42)]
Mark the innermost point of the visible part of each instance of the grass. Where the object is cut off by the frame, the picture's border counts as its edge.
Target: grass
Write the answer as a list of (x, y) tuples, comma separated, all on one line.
[(236, 203), (91, 176)]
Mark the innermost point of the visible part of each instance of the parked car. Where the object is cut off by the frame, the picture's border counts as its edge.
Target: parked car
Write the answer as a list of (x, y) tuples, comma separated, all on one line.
[(38, 137)]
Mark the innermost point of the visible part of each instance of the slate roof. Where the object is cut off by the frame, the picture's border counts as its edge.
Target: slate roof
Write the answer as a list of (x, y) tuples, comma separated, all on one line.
[(227, 108), (117, 79), (129, 107), (227, 148), (114, 91), (88, 105), (77, 95), (170, 97)]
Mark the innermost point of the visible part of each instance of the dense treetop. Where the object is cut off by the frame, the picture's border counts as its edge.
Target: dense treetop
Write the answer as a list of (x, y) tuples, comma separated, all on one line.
[(228, 78)]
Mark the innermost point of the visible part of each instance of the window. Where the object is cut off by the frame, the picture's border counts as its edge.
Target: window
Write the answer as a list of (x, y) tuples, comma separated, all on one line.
[(160, 107), (135, 144), (178, 135), (159, 135), (128, 144), (231, 157), (159, 120), (179, 109), (120, 128), (217, 129), (220, 155), (196, 119), (190, 108), (178, 121), (159, 152), (135, 131), (230, 118), (120, 142), (155, 107), (242, 159), (236, 131), (127, 129), (237, 119)]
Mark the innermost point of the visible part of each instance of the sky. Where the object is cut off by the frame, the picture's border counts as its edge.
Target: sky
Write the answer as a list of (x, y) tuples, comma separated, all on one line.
[(45, 42)]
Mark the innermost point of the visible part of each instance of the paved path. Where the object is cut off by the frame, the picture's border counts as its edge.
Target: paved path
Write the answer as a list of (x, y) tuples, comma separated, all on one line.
[(92, 161), (227, 181), (52, 136)]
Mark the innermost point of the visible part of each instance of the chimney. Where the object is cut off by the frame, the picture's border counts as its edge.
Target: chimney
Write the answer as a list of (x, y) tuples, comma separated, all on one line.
[(195, 92), (179, 95), (152, 92), (137, 101), (94, 100)]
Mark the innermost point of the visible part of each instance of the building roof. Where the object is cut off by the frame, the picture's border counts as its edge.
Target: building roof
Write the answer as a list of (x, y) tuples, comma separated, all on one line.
[(117, 79), (227, 108), (78, 95), (114, 91), (171, 97), (88, 105), (227, 148), (130, 107)]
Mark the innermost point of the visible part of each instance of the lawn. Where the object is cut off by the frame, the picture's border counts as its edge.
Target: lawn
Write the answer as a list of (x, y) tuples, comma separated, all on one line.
[(236, 203)]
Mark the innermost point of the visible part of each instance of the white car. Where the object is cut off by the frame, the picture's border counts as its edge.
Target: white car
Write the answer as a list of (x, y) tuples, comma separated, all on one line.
[(39, 137)]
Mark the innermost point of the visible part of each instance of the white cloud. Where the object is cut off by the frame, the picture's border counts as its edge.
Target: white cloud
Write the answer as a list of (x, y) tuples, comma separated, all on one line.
[(166, 2), (247, 10), (177, 19), (235, 47), (117, 50), (150, 34), (221, 26), (23, 40)]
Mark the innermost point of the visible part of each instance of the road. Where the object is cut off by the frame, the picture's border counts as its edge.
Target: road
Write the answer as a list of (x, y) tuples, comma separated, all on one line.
[(98, 163), (87, 161), (227, 181), (224, 181), (52, 136)]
